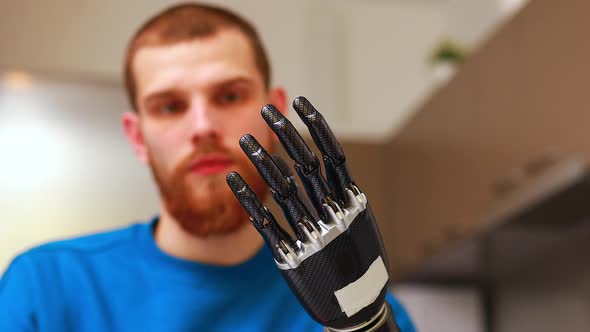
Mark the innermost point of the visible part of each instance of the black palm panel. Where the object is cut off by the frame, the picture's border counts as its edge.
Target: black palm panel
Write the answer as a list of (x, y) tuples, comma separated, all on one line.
[(341, 262)]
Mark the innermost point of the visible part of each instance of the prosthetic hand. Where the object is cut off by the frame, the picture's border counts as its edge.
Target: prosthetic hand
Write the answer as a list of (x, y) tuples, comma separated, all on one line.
[(337, 266)]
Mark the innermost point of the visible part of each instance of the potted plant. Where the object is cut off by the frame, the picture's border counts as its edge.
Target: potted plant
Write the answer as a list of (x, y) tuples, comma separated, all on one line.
[(445, 59)]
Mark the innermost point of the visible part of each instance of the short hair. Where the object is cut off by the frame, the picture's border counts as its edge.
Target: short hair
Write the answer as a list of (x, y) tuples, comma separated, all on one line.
[(184, 22)]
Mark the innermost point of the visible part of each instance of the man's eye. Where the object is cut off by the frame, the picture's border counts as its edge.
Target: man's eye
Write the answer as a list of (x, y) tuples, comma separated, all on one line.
[(230, 97), (172, 107)]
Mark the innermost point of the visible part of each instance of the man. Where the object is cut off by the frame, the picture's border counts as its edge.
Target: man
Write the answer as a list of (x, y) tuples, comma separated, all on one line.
[(197, 77)]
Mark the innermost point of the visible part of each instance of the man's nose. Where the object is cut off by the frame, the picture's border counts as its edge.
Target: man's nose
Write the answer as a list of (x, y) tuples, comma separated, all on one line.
[(204, 123)]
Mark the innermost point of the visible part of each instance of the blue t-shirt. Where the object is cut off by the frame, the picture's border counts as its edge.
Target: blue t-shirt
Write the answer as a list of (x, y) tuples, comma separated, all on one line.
[(121, 281)]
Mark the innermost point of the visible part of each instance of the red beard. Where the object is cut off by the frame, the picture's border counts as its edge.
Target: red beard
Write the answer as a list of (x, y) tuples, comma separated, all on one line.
[(204, 205)]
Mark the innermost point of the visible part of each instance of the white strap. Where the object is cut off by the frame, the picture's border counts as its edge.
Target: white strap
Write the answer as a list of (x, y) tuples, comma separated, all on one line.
[(364, 291)]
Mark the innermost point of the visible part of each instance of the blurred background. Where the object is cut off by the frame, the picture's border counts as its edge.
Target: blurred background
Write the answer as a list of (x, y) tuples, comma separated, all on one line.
[(464, 121)]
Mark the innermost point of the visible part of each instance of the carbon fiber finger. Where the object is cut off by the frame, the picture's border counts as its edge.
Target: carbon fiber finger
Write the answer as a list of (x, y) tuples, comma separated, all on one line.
[(260, 216), (283, 189), (320, 131), (337, 172), (247, 198), (306, 163), (293, 143), (266, 166)]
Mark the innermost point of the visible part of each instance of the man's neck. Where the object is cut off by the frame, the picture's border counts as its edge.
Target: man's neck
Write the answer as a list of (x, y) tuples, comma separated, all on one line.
[(229, 249)]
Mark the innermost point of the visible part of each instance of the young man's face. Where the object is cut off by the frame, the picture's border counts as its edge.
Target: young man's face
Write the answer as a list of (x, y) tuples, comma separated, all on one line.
[(195, 100)]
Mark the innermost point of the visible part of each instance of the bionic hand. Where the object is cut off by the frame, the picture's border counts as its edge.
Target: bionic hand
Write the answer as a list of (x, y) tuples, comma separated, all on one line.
[(337, 266)]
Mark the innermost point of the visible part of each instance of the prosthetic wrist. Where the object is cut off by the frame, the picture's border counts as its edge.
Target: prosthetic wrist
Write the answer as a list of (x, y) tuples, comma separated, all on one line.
[(337, 266)]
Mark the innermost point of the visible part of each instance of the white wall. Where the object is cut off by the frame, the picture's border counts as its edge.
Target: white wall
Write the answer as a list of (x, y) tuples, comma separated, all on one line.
[(70, 36), (362, 63), (471, 22), (66, 168), (388, 68)]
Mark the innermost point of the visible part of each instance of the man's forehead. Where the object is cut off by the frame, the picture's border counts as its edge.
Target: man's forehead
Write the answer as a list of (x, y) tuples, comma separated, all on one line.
[(226, 55)]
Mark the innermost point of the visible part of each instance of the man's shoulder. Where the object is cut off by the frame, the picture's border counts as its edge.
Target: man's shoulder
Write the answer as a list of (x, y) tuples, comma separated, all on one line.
[(56, 261), (88, 244)]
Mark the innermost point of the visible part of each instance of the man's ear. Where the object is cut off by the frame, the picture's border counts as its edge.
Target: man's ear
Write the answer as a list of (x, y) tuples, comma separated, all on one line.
[(132, 128), (278, 97)]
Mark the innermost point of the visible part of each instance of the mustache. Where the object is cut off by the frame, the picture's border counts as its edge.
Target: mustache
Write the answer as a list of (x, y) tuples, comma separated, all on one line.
[(203, 150)]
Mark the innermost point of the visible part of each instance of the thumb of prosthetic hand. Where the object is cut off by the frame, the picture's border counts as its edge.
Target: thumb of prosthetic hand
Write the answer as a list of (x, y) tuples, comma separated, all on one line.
[(337, 266)]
